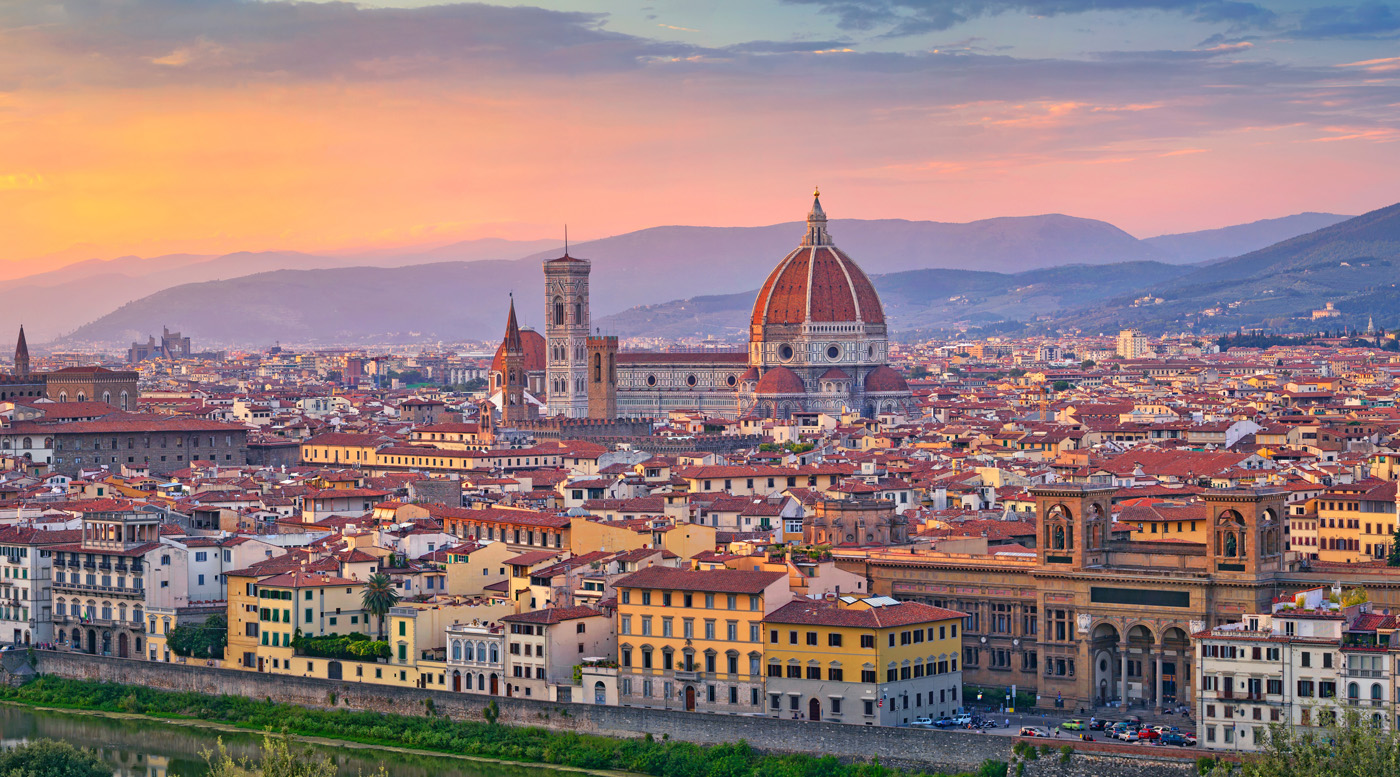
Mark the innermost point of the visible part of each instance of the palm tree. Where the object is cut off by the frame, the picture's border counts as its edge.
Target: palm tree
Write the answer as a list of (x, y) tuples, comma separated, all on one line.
[(379, 595)]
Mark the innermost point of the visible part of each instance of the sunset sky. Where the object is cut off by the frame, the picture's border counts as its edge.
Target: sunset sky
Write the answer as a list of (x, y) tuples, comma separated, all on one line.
[(158, 126)]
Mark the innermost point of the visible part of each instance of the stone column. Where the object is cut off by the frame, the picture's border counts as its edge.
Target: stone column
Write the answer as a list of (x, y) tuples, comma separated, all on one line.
[(1123, 676), (1158, 700)]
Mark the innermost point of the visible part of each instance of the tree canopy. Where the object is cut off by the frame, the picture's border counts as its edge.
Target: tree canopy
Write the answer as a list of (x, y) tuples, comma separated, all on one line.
[(49, 758)]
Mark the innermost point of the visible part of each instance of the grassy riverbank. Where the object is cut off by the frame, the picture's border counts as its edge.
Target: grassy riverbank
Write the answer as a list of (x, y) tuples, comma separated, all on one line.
[(437, 733)]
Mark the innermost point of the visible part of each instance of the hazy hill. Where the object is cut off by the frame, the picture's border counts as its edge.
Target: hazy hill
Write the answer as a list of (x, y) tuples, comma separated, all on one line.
[(1355, 263), (1191, 247), (662, 263), (917, 299), (50, 303), (420, 303), (242, 299)]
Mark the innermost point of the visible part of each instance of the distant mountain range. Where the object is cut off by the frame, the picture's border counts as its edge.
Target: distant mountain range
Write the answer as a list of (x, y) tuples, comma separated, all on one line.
[(1355, 264), (1026, 268), (1223, 243)]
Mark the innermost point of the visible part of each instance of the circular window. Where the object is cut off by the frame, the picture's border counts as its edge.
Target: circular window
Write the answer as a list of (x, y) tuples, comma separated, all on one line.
[(870, 352), (731, 380), (651, 380), (785, 352), (833, 352), (690, 381)]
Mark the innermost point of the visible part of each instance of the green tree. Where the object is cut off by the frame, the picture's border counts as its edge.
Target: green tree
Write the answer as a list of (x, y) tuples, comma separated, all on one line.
[(1348, 746), (1061, 385), (1087, 364), (919, 372), (379, 596), (1392, 559), (200, 640), (48, 758)]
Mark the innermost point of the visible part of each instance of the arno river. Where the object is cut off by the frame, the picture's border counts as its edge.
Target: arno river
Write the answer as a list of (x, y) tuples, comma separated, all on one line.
[(144, 748)]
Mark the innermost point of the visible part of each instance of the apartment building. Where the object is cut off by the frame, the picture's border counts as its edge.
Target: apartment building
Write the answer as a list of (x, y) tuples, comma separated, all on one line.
[(693, 640), (544, 646), (100, 583), (868, 661), (1301, 665), (26, 575)]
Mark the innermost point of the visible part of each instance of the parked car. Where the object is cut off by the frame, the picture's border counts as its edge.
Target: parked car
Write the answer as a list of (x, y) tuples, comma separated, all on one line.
[(1034, 731), (921, 723), (945, 723), (1073, 725), (1097, 725), (1134, 720), (1148, 733), (1127, 735), (1173, 738), (962, 720)]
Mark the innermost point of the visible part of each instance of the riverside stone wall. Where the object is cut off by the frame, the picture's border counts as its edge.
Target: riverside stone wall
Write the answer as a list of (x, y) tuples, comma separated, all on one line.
[(910, 748)]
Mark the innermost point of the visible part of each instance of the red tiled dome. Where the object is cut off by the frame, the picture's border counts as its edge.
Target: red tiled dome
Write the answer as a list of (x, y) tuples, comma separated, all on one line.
[(817, 283), (835, 373), (533, 343), (780, 380), (885, 379), (749, 374)]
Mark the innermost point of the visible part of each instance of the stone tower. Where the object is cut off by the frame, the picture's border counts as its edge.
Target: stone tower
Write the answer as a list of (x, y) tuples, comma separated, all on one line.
[(602, 376), (514, 405), (566, 335), (1073, 524), (1246, 531), (21, 354)]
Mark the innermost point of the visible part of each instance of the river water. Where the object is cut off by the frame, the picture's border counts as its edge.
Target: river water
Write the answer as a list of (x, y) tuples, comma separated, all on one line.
[(146, 748)]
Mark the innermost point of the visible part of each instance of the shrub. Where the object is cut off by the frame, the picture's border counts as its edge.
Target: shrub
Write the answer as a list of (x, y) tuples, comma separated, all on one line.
[(48, 758), (1065, 753)]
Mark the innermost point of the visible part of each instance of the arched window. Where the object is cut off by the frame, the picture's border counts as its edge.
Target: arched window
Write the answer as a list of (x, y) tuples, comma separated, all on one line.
[(82, 397), (123, 397), (597, 368), (456, 650), (495, 653), (578, 314), (1353, 691), (1377, 692), (558, 311), (63, 396), (107, 397), (28, 443)]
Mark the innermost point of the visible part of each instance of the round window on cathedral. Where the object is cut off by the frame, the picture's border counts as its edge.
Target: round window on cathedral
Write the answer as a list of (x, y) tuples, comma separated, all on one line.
[(651, 380), (870, 352), (731, 380), (785, 352), (833, 352), (691, 381)]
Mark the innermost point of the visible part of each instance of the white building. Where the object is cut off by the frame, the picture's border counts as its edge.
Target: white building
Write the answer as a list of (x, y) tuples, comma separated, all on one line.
[(476, 658), (1299, 666), (26, 572)]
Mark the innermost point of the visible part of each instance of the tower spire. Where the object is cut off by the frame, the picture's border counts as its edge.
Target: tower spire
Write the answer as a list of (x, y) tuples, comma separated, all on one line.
[(566, 239), (513, 342), (21, 354)]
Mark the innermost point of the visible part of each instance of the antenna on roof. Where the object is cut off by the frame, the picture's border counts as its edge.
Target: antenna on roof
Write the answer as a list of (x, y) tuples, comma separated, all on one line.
[(566, 239)]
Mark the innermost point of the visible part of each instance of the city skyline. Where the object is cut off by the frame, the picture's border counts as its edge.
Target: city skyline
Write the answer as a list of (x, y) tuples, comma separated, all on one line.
[(147, 128)]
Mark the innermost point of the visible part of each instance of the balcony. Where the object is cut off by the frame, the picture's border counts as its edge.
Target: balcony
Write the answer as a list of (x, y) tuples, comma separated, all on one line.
[(1364, 673)]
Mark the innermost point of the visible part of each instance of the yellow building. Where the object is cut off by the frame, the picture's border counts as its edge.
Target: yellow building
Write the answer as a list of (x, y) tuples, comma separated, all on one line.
[(1355, 521), (864, 661), (1169, 521), (693, 640), (683, 539)]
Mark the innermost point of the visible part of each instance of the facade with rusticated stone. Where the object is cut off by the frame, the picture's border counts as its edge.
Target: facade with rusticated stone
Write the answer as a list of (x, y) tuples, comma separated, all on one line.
[(1091, 619)]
